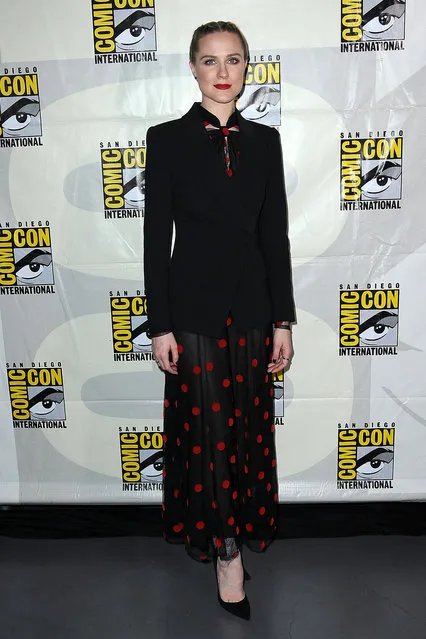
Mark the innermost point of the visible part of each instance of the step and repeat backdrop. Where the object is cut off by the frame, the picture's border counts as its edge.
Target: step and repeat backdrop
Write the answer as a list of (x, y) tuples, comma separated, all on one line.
[(81, 400)]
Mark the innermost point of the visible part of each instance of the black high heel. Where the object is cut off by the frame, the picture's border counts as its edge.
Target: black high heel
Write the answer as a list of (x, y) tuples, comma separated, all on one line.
[(238, 608)]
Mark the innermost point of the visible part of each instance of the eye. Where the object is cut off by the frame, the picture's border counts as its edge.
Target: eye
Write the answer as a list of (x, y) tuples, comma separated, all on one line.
[(20, 115), (208, 61), (378, 184), (380, 24), (234, 60), (375, 332), (132, 35), (371, 467), (33, 264), (45, 402), (381, 178), (154, 470), (133, 29), (374, 461)]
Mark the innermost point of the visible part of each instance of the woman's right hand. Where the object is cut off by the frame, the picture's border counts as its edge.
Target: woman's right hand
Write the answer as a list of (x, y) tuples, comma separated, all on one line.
[(162, 346)]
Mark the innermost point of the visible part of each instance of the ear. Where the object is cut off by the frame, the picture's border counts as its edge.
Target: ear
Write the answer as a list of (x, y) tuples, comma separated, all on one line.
[(192, 67)]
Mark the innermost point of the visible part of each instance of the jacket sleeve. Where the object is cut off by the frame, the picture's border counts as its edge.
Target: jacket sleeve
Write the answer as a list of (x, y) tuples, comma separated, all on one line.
[(273, 236), (158, 230)]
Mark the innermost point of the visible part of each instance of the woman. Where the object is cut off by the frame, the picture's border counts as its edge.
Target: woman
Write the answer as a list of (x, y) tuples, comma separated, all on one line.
[(219, 311)]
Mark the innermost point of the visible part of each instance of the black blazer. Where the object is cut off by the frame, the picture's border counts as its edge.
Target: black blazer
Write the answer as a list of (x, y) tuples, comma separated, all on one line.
[(231, 250)]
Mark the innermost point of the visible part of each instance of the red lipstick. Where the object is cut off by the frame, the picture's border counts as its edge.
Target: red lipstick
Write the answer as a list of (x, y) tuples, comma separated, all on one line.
[(223, 87)]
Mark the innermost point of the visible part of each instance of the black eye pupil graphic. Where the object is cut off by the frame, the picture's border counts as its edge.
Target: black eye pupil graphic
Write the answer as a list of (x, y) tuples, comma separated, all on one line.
[(382, 180), (47, 403), (158, 465), (384, 19), (22, 117), (35, 268), (135, 31), (379, 329), (375, 463)]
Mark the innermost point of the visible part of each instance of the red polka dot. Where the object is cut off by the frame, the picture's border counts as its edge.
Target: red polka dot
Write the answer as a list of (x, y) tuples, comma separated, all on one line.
[(196, 450), (203, 556), (246, 469), (178, 441), (249, 492), (262, 544), (220, 445), (218, 543), (234, 495), (271, 521), (259, 438), (231, 521), (230, 421), (180, 348), (229, 321), (216, 407), (266, 452), (275, 496), (210, 366), (176, 492), (246, 419), (265, 415), (187, 465), (214, 504), (163, 508), (165, 438), (254, 362), (268, 486), (178, 527), (198, 488), (233, 459), (271, 392), (260, 474), (247, 456), (223, 343), (237, 530), (166, 403), (164, 473), (272, 428), (188, 539), (186, 426), (226, 382), (273, 463), (237, 412), (225, 483), (197, 370), (239, 378), (267, 380), (211, 466), (262, 510), (249, 527), (196, 410), (242, 341), (184, 388), (176, 402), (267, 340), (256, 401), (200, 525)]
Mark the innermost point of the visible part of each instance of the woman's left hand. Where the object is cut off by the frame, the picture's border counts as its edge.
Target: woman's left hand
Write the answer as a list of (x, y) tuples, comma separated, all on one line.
[(282, 350)]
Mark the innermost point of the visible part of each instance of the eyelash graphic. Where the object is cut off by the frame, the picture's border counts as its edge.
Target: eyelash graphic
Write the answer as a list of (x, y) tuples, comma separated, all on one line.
[(156, 460), (377, 326), (132, 30), (383, 16), (19, 115), (376, 458), (33, 264), (45, 402)]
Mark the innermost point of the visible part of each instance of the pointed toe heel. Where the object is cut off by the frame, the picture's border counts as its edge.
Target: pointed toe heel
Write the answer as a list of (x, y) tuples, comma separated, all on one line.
[(240, 609)]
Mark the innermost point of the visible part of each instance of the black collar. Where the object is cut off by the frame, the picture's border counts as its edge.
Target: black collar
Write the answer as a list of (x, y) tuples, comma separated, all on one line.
[(192, 118), (212, 119)]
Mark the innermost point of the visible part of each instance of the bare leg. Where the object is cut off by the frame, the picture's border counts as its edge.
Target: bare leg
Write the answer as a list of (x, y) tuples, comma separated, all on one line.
[(230, 573)]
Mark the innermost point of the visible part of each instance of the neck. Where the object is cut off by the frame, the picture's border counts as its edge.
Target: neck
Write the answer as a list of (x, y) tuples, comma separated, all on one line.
[(221, 111)]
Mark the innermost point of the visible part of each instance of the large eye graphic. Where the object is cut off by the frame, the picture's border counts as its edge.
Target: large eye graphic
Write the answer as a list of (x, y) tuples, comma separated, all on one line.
[(33, 264), (382, 17), (19, 115), (374, 462), (151, 468), (45, 402), (139, 337), (133, 29), (134, 191), (377, 326), (260, 103), (380, 178)]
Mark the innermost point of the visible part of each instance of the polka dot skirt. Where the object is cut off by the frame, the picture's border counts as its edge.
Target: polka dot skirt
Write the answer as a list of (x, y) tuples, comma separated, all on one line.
[(220, 478)]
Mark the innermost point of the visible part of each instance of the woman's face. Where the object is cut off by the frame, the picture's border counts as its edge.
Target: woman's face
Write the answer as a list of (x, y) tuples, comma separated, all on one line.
[(219, 66)]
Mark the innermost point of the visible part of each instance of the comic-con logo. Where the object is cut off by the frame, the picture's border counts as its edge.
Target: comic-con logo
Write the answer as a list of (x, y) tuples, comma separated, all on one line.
[(278, 384), (371, 171), (368, 322), (372, 25), (142, 459), (20, 116), (36, 395), (129, 322), (26, 265), (261, 99), (124, 31), (123, 180), (365, 455)]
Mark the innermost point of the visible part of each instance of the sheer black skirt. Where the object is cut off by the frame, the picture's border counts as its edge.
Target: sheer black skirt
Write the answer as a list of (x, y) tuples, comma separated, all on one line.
[(220, 480)]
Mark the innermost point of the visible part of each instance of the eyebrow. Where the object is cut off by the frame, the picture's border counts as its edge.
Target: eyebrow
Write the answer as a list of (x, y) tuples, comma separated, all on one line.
[(229, 55)]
